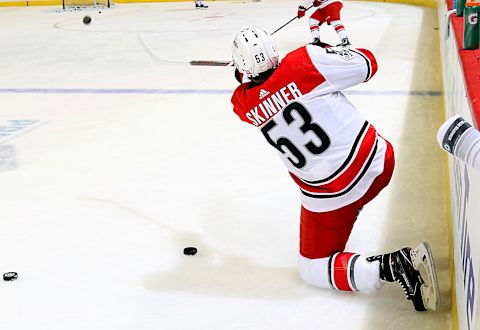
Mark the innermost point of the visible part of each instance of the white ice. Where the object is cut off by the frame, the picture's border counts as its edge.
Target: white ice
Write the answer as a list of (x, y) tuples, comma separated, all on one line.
[(136, 155)]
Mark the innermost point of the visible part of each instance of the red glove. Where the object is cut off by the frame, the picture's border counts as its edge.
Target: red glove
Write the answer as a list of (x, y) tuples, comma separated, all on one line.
[(301, 11), (316, 3)]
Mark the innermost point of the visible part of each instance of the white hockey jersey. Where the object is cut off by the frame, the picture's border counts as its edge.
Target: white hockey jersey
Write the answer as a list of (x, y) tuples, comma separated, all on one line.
[(330, 150), (323, 3)]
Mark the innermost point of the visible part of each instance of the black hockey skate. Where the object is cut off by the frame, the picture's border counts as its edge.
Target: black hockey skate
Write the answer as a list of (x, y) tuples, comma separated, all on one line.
[(200, 6), (402, 266), (317, 42), (345, 43)]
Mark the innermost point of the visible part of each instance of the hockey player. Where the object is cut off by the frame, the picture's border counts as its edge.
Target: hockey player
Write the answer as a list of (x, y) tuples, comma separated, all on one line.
[(200, 4), (328, 11), (333, 154)]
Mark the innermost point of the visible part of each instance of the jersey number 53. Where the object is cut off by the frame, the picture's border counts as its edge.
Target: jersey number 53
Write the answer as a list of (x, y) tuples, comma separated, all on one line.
[(283, 144)]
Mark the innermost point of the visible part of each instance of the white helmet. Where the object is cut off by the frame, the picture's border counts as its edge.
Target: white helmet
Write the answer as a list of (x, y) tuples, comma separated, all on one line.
[(254, 52)]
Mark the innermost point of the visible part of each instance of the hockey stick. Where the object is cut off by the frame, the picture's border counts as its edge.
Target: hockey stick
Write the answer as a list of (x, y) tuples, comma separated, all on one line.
[(290, 21), (203, 62), (153, 55), (211, 63), (227, 63)]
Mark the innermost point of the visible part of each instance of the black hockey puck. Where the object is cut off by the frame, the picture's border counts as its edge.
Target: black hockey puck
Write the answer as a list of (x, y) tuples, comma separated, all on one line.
[(87, 20), (10, 276), (190, 251)]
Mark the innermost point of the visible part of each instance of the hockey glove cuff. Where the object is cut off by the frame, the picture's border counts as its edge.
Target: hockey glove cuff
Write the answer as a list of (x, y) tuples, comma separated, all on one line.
[(301, 11)]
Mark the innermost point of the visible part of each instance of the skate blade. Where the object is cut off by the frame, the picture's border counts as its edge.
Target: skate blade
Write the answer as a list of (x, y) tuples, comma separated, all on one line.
[(422, 258)]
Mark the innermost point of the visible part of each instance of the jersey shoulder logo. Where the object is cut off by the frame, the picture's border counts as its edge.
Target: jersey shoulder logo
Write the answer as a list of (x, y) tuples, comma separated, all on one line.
[(263, 93), (346, 53)]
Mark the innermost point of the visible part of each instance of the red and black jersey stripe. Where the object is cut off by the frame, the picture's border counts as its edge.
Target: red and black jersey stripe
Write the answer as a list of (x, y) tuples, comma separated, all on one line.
[(372, 65), (349, 173)]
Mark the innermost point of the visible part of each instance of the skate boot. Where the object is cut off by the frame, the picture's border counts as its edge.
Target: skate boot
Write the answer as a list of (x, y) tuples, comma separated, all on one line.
[(200, 6), (403, 266), (317, 42), (345, 43)]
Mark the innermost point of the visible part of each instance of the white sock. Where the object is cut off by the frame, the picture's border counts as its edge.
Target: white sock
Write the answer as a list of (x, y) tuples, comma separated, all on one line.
[(314, 27), (367, 275), (342, 271), (340, 29)]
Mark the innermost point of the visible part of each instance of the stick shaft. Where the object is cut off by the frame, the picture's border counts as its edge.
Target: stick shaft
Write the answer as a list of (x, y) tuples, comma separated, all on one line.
[(210, 63), (227, 63), (290, 21)]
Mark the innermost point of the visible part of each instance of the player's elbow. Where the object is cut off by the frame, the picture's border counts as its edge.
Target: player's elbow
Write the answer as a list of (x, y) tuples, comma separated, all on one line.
[(371, 62)]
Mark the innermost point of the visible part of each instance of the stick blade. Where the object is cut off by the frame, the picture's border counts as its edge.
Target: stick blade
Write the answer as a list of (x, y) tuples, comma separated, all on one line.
[(211, 63)]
